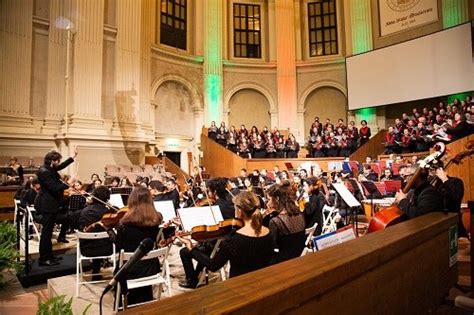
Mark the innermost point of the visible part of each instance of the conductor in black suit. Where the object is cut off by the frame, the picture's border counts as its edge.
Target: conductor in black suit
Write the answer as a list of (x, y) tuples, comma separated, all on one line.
[(48, 202)]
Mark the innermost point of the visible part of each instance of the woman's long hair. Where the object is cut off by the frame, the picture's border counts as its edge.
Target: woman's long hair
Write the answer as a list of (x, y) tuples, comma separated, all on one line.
[(249, 204), (284, 198), (141, 211)]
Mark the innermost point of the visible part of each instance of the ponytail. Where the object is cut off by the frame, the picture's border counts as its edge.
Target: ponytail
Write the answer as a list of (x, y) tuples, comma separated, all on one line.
[(256, 221)]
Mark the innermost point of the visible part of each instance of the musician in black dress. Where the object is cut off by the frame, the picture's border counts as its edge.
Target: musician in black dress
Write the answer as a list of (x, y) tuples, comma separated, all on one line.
[(250, 248), (140, 222), (288, 225), (48, 202)]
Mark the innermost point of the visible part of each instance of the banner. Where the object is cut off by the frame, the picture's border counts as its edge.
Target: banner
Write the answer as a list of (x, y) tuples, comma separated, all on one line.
[(399, 15)]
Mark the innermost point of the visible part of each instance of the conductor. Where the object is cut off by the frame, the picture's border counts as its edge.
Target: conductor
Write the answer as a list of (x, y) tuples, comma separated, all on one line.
[(48, 201)]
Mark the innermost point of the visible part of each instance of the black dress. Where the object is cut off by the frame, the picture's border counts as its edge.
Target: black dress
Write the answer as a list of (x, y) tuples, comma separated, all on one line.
[(129, 238), (290, 236), (245, 254)]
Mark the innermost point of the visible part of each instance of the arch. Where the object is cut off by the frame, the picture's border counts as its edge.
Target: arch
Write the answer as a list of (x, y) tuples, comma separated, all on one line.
[(252, 86), (197, 104), (310, 89)]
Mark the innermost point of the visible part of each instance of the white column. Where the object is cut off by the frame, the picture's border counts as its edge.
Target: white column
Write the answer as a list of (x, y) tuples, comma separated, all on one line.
[(16, 20)]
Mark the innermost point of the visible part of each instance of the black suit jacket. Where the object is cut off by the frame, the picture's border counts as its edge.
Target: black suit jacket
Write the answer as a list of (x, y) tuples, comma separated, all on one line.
[(425, 199), (52, 189)]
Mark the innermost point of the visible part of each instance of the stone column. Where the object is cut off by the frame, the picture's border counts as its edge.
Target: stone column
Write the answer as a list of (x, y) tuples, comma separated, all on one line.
[(16, 18), (286, 64), (361, 31), (128, 64), (85, 99), (212, 67), (455, 12), (147, 38)]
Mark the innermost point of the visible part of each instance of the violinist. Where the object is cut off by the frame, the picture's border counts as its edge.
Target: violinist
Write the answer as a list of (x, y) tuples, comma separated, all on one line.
[(423, 199), (287, 222), (141, 221), (219, 193), (313, 209), (169, 193), (248, 249), (217, 190), (114, 182), (88, 216)]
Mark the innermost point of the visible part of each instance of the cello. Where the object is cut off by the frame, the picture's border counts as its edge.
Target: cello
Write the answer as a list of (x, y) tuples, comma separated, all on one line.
[(393, 214)]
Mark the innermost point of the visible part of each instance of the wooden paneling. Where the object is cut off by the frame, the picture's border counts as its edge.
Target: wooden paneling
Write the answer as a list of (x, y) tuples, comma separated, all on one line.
[(406, 156), (222, 162), (219, 161), (269, 164), (465, 170), (6, 196), (403, 269), (372, 148)]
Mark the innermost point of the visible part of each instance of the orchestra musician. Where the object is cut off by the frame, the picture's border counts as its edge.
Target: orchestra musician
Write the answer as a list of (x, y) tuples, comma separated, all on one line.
[(288, 222), (223, 199), (423, 199), (313, 209), (48, 202), (140, 222), (249, 248), (17, 178), (87, 217)]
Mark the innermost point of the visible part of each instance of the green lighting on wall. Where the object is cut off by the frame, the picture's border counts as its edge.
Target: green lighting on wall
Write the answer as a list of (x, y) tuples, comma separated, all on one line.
[(366, 113), (460, 96), (454, 12), (213, 90)]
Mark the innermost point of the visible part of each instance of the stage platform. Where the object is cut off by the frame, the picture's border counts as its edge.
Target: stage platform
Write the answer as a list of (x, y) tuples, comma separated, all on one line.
[(90, 293)]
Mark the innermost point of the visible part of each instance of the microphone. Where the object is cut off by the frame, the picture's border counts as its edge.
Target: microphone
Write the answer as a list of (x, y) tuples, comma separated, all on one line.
[(145, 246)]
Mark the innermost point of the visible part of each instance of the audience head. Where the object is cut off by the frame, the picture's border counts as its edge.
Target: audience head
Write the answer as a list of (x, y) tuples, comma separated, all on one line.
[(94, 177)]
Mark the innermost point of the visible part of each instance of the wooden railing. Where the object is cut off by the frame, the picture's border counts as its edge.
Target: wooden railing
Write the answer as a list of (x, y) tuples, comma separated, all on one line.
[(404, 269), (218, 160), (171, 167), (372, 148), (465, 170)]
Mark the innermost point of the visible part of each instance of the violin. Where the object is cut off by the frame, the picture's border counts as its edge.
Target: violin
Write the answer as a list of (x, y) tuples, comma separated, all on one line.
[(206, 233)]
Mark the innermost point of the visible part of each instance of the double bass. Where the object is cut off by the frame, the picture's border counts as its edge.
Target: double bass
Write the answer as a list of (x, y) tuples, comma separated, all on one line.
[(393, 214)]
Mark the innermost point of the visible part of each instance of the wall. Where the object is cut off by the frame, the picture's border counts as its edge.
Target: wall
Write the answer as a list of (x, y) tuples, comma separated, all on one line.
[(249, 107)]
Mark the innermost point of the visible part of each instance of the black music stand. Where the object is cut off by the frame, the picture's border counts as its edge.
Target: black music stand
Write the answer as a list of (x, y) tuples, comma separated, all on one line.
[(121, 190), (76, 202)]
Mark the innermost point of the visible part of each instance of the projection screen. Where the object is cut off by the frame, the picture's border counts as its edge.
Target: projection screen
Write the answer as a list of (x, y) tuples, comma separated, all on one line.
[(434, 65)]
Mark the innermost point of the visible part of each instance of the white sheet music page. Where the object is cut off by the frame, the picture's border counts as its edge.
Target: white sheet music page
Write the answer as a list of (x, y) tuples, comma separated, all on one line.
[(346, 195), (116, 200), (166, 208), (194, 216)]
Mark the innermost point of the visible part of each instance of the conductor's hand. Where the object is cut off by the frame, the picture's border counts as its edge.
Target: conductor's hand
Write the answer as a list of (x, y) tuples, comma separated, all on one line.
[(400, 196), (75, 152)]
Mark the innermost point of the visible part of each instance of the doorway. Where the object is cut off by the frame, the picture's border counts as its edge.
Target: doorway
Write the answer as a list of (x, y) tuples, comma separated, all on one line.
[(174, 156)]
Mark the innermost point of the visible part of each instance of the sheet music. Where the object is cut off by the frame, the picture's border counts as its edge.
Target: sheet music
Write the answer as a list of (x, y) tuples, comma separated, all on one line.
[(116, 200), (335, 166), (194, 216), (346, 195), (166, 208)]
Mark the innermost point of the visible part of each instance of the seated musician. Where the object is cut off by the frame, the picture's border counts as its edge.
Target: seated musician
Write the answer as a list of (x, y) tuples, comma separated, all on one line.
[(140, 222), (88, 217), (422, 199), (288, 225), (248, 249), (313, 209), (17, 176), (387, 175), (114, 182), (219, 193)]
